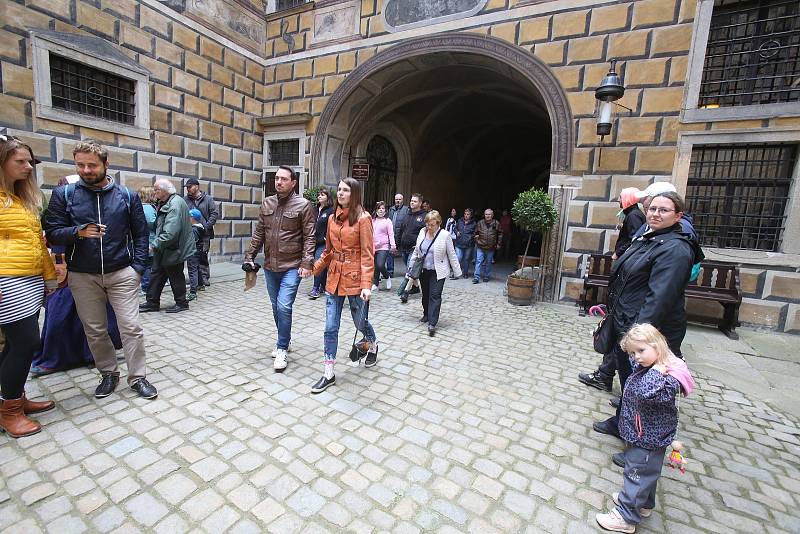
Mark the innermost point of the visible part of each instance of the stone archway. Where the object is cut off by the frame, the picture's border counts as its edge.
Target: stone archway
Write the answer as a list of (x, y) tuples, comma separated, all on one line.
[(535, 86)]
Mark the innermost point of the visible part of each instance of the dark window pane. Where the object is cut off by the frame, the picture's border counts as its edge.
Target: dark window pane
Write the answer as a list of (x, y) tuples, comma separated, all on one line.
[(288, 4), (284, 152), (738, 194), (753, 53), (83, 89)]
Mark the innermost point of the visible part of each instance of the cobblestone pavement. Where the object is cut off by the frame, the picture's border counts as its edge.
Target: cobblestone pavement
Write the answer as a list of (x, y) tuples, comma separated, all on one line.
[(482, 428)]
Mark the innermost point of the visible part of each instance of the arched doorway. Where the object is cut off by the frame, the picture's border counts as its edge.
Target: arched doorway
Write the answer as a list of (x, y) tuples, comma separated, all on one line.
[(382, 159), (475, 119)]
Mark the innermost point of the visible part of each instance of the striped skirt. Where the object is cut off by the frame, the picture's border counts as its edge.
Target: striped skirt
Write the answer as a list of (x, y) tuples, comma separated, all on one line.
[(20, 297)]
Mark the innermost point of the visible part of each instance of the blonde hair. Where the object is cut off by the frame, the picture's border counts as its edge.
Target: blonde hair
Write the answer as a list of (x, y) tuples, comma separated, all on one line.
[(433, 215), (649, 335), (90, 146), (26, 190), (146, 194)]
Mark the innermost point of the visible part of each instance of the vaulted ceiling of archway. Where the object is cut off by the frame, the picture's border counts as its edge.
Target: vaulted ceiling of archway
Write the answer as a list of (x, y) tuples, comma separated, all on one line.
[(447, 98)]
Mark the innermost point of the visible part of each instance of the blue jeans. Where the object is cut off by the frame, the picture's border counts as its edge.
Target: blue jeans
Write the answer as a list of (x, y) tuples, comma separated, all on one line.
[(148, 268), (406, 253), (282, 290), (321, 278), (483, 263), (390, 265), (333, 318), (465, 256)]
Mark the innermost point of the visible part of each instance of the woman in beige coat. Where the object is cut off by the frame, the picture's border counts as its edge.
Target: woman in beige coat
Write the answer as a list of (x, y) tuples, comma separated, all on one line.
[(439, 261)]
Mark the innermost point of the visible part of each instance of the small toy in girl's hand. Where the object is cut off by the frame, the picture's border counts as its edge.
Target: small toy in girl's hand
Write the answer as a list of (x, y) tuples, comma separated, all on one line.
[(676, 458)]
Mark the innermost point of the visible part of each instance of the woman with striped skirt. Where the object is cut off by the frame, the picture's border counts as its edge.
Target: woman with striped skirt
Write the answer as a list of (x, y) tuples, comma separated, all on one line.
[(26, 273)]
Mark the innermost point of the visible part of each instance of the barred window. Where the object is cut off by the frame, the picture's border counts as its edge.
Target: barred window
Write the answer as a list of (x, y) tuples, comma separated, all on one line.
[(284, 152), (738, 194), (83, 89), (288, 4), (753, 54)]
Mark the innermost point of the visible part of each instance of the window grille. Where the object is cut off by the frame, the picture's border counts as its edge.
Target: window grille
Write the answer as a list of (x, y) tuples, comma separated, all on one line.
[(738, 194), (83, 89), (288, 4), (284, 152), (753, 54)]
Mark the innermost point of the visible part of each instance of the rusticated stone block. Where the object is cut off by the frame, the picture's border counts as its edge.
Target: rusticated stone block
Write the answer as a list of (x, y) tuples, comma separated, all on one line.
[(234, 61), (15, 112), (761, 312), (184, 125), (10, 46), (91, 18), (184, 167), (582, 159), (577, 213), (347, 62), (582, 103), (586, 49), (300, 106), (152, 163), (211, 49), (632, 44), (244, 85), (242, 159), (196, 106), (636, 130), (585, 239), (135, 38), (662, 100), (671, 39), (50, 173), (252, 178), (168, 144), (251, 211), (211, 132), (782, 285), (252, 142), (792, 325), (233, 99), (43, 146), (571, 288), (587, 132), (136, 180), (659, 160), (622, 181), (219, 191), (242, 121), (253, 107), (210, 91), (242, 228), (283, 72), (615, 159), (211, 172), (291, 89), (221, 114), (234, 176), (19, 16), (183, 81), (240, 193), (569, 77), (221, 154), (199, 150), (603, 214), (531, 30), (303, 69), (606, 19), (169, 98), (332, 83), (708, 310), (506, 32), (197, 64), (154, 22), (571, 262), (325, 65), (232, 245), (677, 70), (231, 210), (550, 53), (159, 72), (653, 12), (221, 75), (232, 137), (569, 24), (645, 72), (254, 71), (750, 281), (185, 37), (594, 188)]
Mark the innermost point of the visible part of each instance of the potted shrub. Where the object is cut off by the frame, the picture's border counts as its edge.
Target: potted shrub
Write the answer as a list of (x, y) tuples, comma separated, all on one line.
[(533, 211), (311, 193)]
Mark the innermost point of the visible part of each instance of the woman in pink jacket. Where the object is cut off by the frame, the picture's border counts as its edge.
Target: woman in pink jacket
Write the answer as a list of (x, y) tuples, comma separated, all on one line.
[(383, 235)]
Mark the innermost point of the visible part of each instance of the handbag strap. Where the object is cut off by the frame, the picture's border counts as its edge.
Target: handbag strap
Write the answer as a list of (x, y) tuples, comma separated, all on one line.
[(364, 306)]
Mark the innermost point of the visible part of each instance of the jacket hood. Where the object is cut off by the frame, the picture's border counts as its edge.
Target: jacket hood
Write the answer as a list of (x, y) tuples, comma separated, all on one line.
[(109, 185), (678, 231), (678, 369)]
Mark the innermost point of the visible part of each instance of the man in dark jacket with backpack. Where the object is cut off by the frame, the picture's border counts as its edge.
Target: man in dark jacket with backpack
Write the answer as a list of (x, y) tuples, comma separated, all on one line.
[(197, 199), (102, 224)]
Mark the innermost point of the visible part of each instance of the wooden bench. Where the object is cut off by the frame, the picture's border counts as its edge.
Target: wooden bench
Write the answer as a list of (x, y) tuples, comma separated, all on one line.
[(718, 281)]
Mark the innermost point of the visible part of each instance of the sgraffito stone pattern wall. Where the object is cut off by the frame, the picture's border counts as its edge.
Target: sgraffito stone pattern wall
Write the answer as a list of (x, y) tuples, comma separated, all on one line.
[(204, 100)]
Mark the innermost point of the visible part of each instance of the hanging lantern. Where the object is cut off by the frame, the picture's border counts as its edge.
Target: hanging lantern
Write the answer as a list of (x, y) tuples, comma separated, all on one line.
[(609, 91)]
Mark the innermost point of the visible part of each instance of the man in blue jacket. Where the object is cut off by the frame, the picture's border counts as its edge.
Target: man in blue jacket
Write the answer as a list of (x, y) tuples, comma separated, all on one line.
[(102, 224)]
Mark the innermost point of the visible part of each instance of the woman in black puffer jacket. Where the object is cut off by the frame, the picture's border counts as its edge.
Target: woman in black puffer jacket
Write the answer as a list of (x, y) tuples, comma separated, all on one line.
[(648, 282)]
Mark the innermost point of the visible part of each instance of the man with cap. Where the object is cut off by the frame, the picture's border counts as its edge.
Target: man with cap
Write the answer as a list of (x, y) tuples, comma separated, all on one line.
[(195, 198), (193, 261)]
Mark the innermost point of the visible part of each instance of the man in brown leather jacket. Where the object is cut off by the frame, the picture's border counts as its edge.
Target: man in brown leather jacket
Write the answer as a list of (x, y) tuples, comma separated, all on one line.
[(488, 238), (285, 230)]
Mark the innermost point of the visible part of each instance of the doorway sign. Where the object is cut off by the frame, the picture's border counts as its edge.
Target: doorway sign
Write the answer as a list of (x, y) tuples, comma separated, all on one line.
[(361, 171)]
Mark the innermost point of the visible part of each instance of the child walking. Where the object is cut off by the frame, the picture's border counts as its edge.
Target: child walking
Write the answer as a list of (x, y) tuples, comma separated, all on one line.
[(193, 261), (648, 422)]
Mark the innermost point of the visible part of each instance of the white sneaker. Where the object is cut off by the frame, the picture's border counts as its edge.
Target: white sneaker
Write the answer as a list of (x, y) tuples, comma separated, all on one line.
[(614, 522), (275, 350), (388, 283), (280, 360), (644, 512)]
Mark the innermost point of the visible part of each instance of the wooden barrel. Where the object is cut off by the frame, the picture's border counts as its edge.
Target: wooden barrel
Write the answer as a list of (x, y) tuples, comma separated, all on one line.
[(520, 291), (530, 261)]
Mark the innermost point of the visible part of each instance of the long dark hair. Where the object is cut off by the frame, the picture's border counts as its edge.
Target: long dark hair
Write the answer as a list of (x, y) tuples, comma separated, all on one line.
[(327, 193), (378, 205), (356, 209)]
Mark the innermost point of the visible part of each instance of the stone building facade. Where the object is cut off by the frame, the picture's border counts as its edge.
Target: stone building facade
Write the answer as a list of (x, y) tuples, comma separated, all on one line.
[(469, 102)]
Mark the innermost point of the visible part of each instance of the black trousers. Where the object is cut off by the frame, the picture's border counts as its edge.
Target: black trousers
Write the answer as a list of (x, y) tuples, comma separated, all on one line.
[(204, 269), (22, 341), (380, 266), (608, 367), (177, 281), (431, 295)]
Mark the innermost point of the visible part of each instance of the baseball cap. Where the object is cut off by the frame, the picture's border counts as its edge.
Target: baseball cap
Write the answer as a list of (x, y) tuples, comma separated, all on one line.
[(192, 181), (656, 188), (194, 213)]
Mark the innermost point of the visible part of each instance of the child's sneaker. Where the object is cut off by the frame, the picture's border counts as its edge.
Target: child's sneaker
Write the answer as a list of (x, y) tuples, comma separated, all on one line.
[(614, 522), (644, 512), (314, 293)]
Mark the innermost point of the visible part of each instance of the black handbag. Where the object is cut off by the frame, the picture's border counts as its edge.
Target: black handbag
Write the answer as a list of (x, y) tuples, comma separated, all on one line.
[(359, 350), (603, 335), (415, 269)]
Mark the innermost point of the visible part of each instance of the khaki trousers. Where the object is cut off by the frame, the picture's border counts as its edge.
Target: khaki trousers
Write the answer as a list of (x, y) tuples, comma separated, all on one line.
[(121, 290)]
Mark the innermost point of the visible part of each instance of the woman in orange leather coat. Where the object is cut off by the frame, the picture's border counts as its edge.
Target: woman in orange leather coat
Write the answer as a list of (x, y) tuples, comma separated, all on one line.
[(349, 257)]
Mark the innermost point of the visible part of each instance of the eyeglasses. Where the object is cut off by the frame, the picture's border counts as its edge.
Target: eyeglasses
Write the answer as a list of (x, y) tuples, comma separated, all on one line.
[(660, 211)]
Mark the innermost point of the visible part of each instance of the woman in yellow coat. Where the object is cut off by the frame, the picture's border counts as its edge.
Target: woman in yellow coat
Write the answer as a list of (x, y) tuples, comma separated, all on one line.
[(349, 257), (26, 273)]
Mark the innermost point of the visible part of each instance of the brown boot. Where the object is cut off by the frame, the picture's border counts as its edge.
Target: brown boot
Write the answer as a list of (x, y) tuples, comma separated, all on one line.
[(29, 406), (13, 420)]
